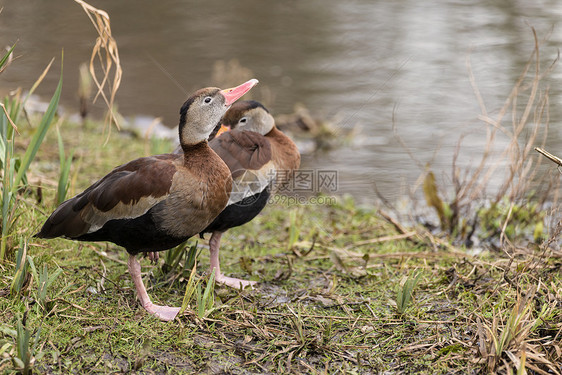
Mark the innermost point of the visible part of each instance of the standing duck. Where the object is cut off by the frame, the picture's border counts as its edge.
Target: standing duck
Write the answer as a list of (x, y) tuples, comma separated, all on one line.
[(154, 203), (261, 159)]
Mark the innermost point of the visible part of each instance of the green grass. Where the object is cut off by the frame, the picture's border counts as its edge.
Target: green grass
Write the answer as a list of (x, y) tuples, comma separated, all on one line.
[(326, 302)]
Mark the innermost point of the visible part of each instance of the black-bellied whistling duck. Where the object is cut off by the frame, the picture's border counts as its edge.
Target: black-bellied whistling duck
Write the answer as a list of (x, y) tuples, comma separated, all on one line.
[(155, 203), (261, 158)]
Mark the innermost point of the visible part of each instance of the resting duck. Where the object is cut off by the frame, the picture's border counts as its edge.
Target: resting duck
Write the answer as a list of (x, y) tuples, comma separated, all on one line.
[(261, 159), (154, 203)]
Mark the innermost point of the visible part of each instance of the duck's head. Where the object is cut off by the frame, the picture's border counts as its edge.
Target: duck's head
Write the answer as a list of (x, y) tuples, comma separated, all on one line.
[(200, 113), (249, 115)]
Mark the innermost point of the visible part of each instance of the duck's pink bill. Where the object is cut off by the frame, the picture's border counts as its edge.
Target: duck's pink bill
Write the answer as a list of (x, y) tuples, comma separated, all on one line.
[(235, 93)]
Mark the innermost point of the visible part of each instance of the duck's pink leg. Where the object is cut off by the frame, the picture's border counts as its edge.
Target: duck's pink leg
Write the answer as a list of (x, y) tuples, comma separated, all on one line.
[(214, 245), (165, 313)]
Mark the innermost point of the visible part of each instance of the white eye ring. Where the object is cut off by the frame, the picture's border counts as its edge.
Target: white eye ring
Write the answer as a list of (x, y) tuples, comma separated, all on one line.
[(243, 120), (208, 99)]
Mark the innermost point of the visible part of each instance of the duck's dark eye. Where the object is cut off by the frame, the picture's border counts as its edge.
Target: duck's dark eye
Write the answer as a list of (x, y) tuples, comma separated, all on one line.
[(208, 99), (243, 119)]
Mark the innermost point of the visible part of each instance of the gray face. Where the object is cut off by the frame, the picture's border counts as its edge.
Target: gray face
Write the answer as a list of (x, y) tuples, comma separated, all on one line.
[(256, 120), (200, 114)]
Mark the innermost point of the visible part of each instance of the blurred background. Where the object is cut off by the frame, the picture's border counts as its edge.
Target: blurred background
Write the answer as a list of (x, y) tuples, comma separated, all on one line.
[(360, 64)]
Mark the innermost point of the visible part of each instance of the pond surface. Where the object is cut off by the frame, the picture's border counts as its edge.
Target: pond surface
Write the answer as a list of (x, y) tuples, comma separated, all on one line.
[(360, 63)]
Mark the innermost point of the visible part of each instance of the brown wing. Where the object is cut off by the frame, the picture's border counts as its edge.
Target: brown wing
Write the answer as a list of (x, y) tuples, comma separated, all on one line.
[(242, 150), (285, 156), (128, 191)]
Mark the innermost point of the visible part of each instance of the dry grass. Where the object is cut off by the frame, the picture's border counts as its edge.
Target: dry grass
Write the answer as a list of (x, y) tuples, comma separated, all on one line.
[(510, 339), (105, 55), (507, 339), (521, 124), (332, 285), (526, 126), (549, 156), (343, 289)]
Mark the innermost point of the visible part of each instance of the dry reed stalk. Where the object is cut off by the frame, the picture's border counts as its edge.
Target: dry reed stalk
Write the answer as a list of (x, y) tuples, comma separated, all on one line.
[(549, 156), (517, 156), (529, 127), (105, 51)]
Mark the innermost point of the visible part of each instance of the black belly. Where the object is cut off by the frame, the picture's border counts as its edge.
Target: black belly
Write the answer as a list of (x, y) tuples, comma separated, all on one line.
[(239, 213), (138, 235)]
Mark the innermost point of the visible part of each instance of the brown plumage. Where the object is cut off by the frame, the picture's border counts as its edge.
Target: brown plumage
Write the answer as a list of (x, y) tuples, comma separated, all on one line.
[(134, 187), (155, 203), (285, 156), (252, 119), (242, 150), (261, 159)]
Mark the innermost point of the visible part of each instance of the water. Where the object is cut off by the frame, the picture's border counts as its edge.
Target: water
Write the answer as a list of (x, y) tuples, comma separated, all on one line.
[(362, 63)]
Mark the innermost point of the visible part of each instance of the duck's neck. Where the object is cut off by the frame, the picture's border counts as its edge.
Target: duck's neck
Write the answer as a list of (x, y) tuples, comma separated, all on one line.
[(190, 150), (273, 132)]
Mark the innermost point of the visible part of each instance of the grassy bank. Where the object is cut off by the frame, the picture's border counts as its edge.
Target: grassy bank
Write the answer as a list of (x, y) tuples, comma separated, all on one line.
[(343, 288), (334, 293)]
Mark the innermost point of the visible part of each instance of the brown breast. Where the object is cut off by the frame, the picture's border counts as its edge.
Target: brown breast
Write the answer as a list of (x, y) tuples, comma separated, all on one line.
[(199, 192)]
